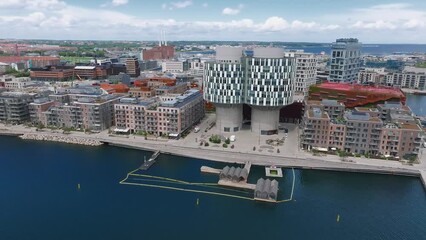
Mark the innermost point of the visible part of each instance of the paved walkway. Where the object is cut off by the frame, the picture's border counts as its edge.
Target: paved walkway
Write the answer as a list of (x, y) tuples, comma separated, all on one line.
[(290, 155)]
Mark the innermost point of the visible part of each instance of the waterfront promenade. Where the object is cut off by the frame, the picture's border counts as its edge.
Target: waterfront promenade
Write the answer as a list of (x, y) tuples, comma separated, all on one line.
[(298, 159)]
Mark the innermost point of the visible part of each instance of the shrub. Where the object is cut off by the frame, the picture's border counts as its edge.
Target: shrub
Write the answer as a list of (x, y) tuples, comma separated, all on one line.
[(215, 139), (206, 144), (225, 145), (227, 141)]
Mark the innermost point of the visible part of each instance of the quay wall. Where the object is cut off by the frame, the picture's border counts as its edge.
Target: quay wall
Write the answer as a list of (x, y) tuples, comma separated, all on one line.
[(62, 139), (223, 156)]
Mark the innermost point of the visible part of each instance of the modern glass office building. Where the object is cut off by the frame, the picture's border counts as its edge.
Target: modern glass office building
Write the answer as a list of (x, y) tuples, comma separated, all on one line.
[(264, 81)]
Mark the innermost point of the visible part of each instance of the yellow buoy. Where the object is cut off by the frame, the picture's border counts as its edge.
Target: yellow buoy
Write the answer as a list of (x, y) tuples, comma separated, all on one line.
[(198, 201), (78, 186), (338, 218)]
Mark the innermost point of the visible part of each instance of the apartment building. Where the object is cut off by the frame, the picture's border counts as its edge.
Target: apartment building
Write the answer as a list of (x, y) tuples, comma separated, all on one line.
[(163, 115), (79, 108), (389, 131), (371, 76), (306, 72), (345, 60), (406, 80), (362, 133), (399, 139), (12, 82), (333, 108), (95, 114), (37, 109), (386, 109), (316, 129), (14, 107), (132, 67)]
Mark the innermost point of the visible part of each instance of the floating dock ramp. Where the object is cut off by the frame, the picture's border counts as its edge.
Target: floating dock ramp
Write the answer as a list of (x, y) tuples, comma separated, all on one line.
[(147, 164)]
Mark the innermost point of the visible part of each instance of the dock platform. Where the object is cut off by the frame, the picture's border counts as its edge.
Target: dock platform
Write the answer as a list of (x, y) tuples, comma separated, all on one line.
[(273, 172), (147, 164)]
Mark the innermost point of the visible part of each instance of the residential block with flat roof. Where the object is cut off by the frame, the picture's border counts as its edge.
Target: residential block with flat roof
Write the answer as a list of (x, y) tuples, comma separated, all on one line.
[(169, 115)]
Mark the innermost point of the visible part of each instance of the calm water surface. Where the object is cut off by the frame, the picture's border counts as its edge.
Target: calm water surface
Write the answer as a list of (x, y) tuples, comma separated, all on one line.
[(417, 103), (39, 199)]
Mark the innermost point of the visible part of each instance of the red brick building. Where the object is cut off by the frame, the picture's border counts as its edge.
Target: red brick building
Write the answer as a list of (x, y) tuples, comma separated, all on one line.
[(160, 52)]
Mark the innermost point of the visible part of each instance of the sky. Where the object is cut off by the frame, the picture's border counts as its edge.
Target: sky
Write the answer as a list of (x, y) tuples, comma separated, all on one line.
[(371, 21)]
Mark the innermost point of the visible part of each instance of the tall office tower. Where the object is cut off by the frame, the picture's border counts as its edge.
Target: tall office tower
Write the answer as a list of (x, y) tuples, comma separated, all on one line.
[(224, 86), (306, 71), (345, 60), (263, 81), (132, 66)]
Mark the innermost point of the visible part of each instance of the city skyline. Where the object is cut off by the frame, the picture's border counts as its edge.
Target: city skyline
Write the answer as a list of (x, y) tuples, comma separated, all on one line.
[(273, 20)]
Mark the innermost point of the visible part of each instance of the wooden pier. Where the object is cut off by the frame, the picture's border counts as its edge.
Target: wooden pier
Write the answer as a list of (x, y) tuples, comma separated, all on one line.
[(206, 169), (243, 185)]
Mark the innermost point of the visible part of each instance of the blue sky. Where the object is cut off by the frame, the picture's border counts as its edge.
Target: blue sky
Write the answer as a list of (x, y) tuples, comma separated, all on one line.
[(263, 20)]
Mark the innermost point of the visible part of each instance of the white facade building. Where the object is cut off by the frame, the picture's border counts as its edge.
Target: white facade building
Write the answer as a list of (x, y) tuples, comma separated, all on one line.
[(306, 71), (12, 82), (174, 66), (264, 81)]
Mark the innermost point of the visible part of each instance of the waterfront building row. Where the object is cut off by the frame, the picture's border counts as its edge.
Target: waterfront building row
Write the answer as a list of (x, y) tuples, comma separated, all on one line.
[(89, 107), (74, 110), (410, 77), (388, 130), (166, 115)]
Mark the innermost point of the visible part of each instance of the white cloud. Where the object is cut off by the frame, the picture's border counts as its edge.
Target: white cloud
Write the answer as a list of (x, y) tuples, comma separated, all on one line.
[(232, 11), (58, 20), (176, 5), (205, 5), (32, 4), (119, 2), (274, 24), (115, 3), (379, 24), (414, 23)]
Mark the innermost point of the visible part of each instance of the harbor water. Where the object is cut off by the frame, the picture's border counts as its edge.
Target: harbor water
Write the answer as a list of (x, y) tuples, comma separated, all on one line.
[(417, 103), (59, 191)]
